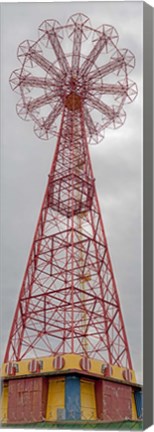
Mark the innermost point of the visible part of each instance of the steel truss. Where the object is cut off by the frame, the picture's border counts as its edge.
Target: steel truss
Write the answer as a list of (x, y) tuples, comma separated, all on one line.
[(69, 301)]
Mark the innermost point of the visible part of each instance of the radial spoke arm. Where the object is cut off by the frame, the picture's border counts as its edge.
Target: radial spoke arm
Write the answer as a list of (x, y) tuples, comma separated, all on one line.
[(92, 57), (52, 116), (40, 101), (110, 67), (61, 57), (45, 65), (89, 122), (101, 106), (77, 40), (109, 89), (35, 81)]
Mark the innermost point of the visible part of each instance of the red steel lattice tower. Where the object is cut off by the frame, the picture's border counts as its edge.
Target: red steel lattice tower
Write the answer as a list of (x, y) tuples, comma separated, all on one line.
[(68, 301)]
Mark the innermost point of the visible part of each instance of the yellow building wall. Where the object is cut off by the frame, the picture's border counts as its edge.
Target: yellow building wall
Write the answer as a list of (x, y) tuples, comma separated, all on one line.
[(4, 404), (72, 361), (56, 398), (88, 402), (134, 411)]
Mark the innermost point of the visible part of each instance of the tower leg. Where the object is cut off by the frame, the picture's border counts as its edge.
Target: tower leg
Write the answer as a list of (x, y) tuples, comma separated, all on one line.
[(69, 301)]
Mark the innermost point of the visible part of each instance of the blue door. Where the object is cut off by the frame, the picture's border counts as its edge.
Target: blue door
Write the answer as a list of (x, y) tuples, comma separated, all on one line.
[(72, 398), (139, 403)]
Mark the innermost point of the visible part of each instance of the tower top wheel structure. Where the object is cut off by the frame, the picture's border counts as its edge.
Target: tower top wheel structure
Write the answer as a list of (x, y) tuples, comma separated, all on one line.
[(69, 301), (55, 74)]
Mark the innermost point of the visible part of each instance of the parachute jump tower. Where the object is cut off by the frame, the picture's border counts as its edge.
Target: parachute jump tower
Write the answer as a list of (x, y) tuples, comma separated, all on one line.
[(68, 349)]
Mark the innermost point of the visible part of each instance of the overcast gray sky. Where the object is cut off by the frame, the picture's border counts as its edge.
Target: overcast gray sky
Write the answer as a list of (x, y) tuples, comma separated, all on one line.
[(117, 163)]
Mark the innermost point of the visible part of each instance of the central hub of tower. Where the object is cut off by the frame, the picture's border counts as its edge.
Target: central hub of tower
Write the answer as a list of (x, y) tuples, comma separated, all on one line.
[(73, 101)]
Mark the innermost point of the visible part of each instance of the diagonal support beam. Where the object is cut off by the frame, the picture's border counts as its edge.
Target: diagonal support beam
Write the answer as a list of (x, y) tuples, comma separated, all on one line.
[(89, 122), (61, 57), (52, 116), (92, 56), (40, 101), (101, 106), (105, 70), (45, 65)]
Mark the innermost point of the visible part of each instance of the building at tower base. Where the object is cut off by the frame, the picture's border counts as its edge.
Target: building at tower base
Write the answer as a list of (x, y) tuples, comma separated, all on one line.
[(49, 390)]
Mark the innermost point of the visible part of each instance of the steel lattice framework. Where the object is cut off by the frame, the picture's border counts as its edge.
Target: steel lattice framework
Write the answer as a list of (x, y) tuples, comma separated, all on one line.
[(68, 300)]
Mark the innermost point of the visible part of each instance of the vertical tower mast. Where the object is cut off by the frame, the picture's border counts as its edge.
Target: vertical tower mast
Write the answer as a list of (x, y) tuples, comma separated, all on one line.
[(69, 301)]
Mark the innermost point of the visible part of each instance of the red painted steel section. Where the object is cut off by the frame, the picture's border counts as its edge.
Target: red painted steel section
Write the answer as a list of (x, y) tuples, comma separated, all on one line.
[(27, 400), (34, 366), (127, 374), (69, 300), (113, 400), (11, 368), (58, 362), (108, 370), (51, 305), (85, 364)]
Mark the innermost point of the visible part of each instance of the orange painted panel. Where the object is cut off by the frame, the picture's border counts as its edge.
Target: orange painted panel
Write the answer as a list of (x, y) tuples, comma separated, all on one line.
[(113, 400), (27, 400)]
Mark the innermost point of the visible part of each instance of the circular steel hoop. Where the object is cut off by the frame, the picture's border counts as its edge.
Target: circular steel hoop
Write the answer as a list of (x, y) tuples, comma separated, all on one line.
[(42, 132), (108, 35), (47, 29), (76, 22), (25, 51), (126, 61)]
